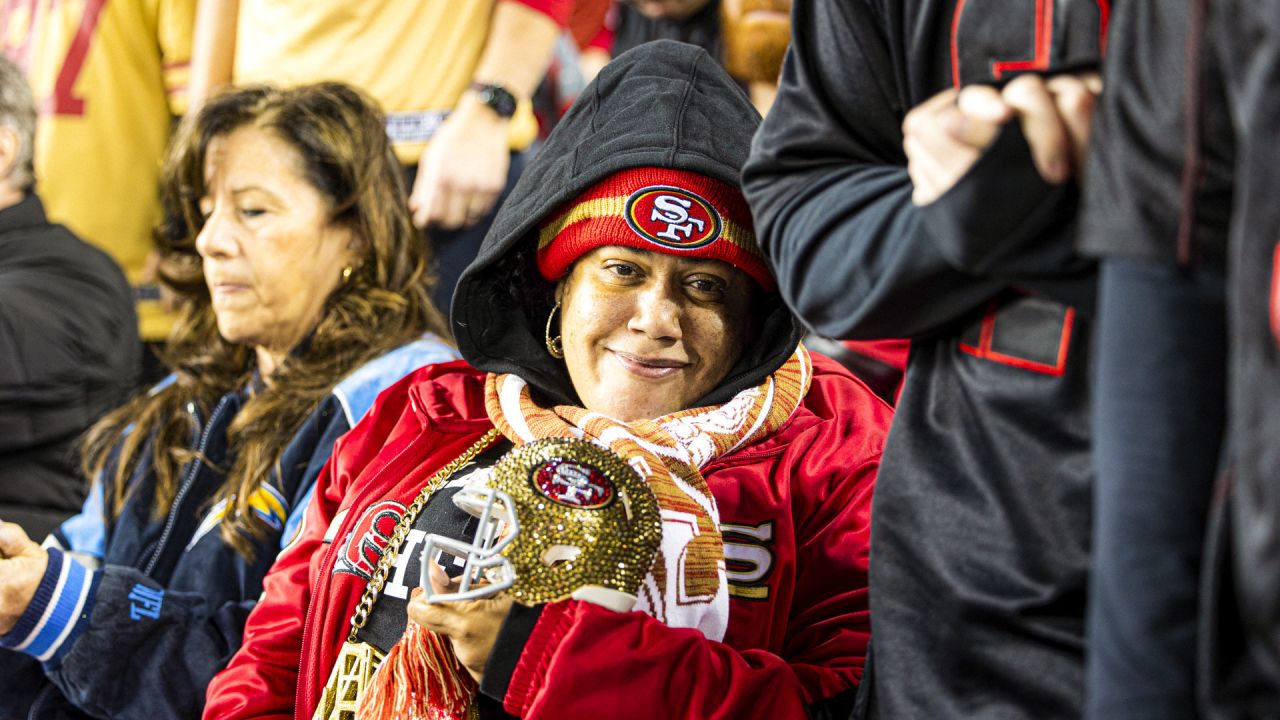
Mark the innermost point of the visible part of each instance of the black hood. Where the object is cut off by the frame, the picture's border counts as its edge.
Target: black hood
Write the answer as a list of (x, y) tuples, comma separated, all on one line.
[(664, 104)]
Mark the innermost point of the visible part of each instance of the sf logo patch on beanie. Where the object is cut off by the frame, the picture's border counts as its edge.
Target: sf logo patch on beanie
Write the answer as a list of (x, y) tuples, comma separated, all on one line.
[(673, 217)]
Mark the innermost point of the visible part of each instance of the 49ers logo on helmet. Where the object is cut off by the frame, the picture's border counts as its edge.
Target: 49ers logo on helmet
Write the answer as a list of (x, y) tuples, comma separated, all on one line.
[(574, 484), (672, 217), (369, 538)]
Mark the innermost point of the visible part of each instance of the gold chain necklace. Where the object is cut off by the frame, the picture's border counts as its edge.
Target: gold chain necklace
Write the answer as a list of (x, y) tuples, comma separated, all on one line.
[(358, 660)]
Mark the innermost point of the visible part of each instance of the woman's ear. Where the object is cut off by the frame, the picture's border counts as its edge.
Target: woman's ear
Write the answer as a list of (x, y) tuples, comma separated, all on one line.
[(559, 292)]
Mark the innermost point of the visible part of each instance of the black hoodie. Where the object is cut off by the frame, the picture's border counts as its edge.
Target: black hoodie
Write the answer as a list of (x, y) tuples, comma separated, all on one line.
[(664, 104)]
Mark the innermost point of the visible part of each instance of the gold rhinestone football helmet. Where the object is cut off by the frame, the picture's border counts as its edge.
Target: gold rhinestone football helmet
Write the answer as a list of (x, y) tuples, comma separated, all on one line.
[(558, 518)]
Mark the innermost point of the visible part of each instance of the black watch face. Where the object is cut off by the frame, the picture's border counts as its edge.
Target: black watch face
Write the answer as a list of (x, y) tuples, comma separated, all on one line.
[(500, 100)]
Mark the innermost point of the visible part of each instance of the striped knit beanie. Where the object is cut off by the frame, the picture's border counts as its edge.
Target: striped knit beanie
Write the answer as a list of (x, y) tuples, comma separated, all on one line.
[(676, 212)]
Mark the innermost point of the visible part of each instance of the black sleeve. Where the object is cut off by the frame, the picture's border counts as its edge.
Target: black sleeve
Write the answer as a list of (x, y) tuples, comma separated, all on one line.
[(22, 683), (67, 339), (828, 184), (839, 707), (1002, 220)]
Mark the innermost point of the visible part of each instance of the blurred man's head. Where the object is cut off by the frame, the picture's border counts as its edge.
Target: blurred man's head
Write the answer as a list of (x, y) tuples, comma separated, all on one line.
[(756, 34), (17, 130), (677, 10)]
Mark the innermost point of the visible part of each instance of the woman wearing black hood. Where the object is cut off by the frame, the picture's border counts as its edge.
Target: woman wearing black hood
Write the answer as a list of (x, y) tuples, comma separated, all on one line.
[(620, 298)]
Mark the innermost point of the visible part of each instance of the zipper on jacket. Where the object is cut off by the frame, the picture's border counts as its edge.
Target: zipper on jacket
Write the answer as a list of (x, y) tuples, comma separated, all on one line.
[(187, 482), (408, 458), (305, 694)]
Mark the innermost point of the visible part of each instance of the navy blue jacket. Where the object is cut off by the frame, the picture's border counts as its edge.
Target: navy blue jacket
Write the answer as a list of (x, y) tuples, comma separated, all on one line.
[(133, 618)]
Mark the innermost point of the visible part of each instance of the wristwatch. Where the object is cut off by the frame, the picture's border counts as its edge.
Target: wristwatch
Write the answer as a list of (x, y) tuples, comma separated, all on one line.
[(498, 98)]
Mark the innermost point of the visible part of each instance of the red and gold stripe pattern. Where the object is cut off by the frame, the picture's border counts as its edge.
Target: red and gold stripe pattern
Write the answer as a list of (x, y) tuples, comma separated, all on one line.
[(675, 212)]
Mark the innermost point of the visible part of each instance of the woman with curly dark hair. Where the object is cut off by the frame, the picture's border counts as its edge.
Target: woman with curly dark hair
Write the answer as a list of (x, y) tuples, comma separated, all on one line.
[(305, 291)]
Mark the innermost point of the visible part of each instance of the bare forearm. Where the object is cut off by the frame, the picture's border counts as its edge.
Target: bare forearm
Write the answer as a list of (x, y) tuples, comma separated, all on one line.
[(464, 167), (213, 49), (518, 50)]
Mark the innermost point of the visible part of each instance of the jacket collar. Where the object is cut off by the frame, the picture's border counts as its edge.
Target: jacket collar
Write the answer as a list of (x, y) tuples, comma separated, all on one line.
[(450, 397), (26, 214)]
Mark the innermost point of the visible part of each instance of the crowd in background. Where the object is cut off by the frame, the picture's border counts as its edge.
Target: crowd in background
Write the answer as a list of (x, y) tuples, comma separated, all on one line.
[(273, 271)]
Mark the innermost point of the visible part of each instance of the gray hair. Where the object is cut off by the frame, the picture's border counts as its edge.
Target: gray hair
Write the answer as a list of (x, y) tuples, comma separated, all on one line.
[(18, 111)]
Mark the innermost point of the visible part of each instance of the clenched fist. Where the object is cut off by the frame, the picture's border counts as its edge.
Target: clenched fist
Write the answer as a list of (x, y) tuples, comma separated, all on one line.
[(22, 565)]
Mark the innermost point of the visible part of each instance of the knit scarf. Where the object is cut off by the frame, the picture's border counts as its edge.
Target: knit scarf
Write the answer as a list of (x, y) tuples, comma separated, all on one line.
[(686, 586)]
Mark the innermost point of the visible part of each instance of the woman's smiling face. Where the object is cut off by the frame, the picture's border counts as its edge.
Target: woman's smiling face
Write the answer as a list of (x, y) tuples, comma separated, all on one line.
[(646, 334)]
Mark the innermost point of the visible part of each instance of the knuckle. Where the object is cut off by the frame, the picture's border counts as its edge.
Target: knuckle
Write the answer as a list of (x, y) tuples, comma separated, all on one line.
[(1024, 89), (912, 121), (1076, 100), (912, 150), (922, 118), (976, 92), (1027, 82)]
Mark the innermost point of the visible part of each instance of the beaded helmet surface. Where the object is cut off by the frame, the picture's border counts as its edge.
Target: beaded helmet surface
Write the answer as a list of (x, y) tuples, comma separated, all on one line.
[(557, 516)]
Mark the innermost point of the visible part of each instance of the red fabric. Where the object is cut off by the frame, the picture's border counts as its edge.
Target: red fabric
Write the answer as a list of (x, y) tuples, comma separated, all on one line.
[(587, 20), (557, 10), (890, 352), (805, 641), (602, 40), (634, 220)]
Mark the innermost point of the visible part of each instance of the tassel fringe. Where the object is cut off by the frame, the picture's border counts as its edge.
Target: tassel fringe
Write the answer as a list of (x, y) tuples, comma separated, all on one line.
[(420, 679)]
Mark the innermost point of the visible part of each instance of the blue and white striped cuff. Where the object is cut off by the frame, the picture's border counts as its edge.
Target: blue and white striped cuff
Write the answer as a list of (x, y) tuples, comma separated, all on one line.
[(58, 613)]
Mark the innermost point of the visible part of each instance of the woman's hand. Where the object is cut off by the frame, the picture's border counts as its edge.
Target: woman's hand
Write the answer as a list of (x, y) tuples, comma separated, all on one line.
[(471, 625), (22, 565)]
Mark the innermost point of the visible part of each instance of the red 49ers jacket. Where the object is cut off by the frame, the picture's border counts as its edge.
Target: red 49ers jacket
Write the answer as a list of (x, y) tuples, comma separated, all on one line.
[(795, 510)]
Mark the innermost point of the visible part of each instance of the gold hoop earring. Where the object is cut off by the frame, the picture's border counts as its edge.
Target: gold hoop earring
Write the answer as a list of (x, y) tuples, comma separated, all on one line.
[(554, 345), (346, 274)]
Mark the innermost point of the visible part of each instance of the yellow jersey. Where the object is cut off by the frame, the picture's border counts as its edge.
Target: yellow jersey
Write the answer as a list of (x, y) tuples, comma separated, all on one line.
[(415, 57), (108, 78)]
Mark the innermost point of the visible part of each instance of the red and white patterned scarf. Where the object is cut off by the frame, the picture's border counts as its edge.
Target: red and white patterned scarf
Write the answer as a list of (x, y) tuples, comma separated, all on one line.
[(687, 585)]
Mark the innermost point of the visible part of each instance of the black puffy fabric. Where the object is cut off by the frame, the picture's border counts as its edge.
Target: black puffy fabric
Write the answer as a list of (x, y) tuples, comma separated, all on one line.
[(69, 352)]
